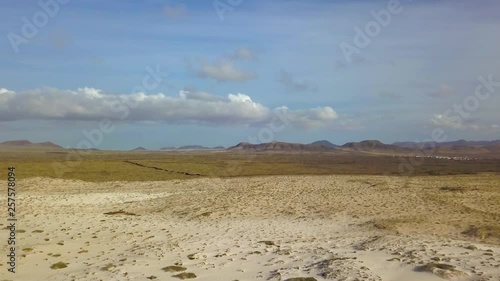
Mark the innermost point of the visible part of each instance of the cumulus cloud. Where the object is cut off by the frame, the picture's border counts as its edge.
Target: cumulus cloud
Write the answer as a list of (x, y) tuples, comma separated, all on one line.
[(203, 96), (445, 121), (309, 118), (292, 84), (186, 108), (5, 91), (456, 122)]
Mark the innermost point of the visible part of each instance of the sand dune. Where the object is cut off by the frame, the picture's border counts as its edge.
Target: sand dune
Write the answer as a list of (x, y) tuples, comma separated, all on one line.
[(265, 228)]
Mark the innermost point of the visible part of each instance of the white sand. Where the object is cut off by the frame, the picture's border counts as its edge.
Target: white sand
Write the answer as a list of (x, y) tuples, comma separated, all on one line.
[(315, 226)]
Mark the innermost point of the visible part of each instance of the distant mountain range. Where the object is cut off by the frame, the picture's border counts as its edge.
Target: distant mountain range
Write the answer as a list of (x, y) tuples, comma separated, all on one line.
[(285, 146), (186, 147), (369, 145), (455, 147), (193, 147), (324, 143), (318, 146), (452, 147), (28, 144)]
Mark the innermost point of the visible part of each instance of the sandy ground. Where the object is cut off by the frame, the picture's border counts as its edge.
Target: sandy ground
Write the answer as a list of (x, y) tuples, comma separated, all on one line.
[(264, 228)]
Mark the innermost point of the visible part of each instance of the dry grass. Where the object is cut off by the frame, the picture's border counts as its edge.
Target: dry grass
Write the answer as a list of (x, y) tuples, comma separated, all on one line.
[(391, 224), (120, 212), (483, 232), (99, 166)]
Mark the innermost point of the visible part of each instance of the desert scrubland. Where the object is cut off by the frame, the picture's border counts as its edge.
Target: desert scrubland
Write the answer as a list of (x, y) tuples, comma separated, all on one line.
[(279, 227)]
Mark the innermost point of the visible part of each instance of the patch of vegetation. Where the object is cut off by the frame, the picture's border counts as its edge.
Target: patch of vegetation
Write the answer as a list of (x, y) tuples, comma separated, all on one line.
[(185, 275), (121, 212), (483, 232), (59, 265), (193, 256), (445, 271), (103, 166), (173, 268), (452, 189), (108, 267), (268, 243), (431, 266), (393, 223)]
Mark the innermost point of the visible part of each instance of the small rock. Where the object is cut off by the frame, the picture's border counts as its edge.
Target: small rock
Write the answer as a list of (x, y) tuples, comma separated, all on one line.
[(195, 256), (471, 247), (431, 266), (442, 270)]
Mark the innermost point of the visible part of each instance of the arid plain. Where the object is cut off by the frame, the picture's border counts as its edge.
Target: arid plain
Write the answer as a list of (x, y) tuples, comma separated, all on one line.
[(271, 217)]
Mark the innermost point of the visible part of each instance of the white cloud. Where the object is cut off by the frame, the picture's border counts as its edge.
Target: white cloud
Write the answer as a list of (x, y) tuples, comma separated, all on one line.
[(455, 122), (223, 72), (188, 107), (446, 122), (309, 118), (204, 96), (5, 91), (239, 98)]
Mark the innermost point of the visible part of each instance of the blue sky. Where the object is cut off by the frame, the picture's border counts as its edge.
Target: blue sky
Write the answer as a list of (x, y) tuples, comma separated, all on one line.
[(223, 79)]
